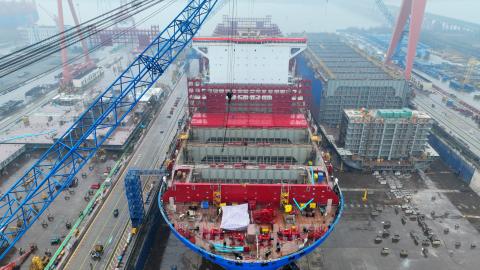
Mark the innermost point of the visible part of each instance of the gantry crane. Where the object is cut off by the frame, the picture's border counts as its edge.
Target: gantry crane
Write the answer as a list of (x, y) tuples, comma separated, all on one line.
[(472, 63), (390, 19), (22, 204), (66, 71), (411, 14)]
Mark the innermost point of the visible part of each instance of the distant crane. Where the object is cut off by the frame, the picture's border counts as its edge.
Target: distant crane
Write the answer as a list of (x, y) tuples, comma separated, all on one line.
[(385, 12), (24, 202), (391, 22), (412, 10), (66, 71), (472, 63)]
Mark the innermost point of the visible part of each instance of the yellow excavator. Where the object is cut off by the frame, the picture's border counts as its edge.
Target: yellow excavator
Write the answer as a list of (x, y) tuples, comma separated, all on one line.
[(39, 263)]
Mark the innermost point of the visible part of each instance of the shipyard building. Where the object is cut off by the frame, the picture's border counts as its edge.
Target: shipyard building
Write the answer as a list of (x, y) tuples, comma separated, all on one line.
[(349, 80), (386, 139)]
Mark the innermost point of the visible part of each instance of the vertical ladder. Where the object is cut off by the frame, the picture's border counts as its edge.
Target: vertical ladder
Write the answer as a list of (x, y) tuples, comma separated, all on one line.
[(217, 196), (284, 195)]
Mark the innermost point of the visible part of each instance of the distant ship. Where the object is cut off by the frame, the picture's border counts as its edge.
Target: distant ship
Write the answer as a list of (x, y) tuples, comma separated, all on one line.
[(14, 14), (249, 186)]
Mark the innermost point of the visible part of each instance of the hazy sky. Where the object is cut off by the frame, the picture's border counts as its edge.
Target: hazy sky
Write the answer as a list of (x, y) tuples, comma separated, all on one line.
[(290, 15), (467, 10)]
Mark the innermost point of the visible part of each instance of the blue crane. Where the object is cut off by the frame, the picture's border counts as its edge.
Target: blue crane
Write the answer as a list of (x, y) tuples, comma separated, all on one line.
[(24, 202), (133, 190)]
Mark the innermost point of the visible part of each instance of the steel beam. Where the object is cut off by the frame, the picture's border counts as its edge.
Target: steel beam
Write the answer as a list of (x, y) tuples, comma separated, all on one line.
[(413, 9), (398, 30), (278, 98), (416, 19)]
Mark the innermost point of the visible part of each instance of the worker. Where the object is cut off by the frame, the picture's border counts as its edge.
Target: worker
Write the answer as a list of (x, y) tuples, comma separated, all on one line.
[(267, 254), (278, 247)]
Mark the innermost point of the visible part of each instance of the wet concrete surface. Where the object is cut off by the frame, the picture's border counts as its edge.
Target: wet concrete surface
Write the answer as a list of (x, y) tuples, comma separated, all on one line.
[(352, 245), (65, 208)]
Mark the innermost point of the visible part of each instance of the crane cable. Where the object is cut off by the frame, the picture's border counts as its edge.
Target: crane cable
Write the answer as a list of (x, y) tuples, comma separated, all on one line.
[(57, 37), (230, 67), (33, 54), (93, 49)]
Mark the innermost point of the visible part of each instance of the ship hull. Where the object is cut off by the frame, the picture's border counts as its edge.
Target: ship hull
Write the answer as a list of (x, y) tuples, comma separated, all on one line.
[(239, 265)]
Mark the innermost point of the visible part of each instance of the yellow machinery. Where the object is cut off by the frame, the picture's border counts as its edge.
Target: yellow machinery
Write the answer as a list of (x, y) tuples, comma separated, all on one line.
[(217, 197), (365, 194), (39, 263)]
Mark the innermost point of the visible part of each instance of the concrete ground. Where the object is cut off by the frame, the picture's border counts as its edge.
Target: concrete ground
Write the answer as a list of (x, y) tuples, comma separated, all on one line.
[(352, 246), (65, 208)]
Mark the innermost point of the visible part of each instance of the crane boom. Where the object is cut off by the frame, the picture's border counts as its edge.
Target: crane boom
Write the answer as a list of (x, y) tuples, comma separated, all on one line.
[(22, 204), (385, 12)]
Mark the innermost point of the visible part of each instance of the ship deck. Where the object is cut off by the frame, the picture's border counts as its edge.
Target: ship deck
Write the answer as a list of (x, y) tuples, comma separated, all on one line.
[(268, 167), (286, 234)]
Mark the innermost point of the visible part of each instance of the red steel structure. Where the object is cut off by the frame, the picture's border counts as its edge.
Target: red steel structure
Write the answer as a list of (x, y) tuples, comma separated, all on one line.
[(260, 193), (66, 74), (252, 98), (69, 72), (249, 120), (238, 26), (413, 9)]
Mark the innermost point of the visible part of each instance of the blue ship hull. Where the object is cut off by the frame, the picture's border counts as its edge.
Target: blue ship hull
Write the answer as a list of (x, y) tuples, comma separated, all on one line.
[(240, 265)]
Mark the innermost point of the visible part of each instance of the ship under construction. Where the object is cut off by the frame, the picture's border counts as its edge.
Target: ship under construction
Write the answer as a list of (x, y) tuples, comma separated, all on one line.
[(249, 186)]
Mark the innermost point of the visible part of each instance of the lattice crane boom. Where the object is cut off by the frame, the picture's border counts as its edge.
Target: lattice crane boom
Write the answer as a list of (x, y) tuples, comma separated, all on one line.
[(55, 170)]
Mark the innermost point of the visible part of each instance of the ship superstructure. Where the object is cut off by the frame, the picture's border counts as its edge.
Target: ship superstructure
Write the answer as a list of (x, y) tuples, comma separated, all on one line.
[(248, 185)]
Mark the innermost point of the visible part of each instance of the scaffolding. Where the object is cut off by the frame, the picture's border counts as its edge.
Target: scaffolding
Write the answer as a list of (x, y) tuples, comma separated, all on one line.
[(386, 138), (247, 27), (252, 98)]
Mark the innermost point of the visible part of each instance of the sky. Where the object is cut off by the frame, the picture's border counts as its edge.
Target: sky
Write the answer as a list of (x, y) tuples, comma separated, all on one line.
[(290, 15), (467, 10)]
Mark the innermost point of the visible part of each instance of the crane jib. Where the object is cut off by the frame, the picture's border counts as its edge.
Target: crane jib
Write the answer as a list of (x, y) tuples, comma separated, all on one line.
[(23, 203)]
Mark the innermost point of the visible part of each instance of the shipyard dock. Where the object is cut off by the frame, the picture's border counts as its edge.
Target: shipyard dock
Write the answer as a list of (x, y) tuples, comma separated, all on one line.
[(139, 177)]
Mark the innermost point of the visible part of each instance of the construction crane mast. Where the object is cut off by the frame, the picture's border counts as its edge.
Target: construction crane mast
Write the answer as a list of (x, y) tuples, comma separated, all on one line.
[(23, 203)]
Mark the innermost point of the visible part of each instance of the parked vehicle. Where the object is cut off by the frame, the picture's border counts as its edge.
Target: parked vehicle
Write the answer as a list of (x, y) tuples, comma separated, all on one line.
[(95, 186), (97, 252)]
